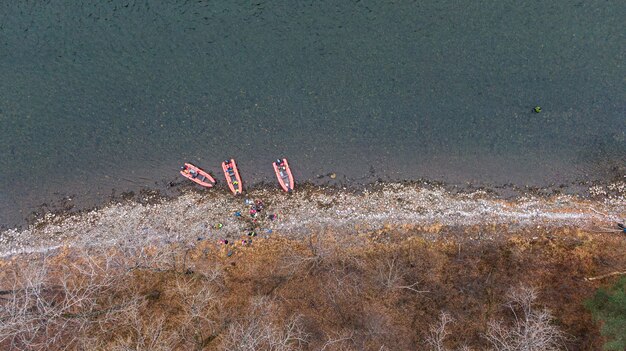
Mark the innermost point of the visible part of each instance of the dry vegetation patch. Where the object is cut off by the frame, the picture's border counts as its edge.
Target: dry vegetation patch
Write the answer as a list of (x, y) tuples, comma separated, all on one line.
[(369, 291)]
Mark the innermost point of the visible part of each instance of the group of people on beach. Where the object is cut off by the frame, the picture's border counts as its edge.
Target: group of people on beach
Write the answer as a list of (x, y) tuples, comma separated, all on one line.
[(253, 227)]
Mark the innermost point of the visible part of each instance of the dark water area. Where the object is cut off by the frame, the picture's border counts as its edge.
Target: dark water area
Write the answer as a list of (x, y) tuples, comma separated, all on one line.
[(97, 98)]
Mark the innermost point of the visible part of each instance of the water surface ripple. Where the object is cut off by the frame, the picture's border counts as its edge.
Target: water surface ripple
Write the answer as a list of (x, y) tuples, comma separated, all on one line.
[(97, 96)]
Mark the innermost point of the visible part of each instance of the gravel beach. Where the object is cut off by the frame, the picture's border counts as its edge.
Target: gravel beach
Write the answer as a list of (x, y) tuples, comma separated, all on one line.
[(212, 215)]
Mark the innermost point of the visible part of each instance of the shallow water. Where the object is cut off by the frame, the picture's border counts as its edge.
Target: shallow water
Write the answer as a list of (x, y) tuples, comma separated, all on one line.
[(98, 98)]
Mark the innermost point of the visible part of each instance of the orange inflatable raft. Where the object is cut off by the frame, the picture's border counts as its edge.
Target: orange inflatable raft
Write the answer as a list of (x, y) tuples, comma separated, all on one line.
[(232, 176), (197, 175), (283, 173)]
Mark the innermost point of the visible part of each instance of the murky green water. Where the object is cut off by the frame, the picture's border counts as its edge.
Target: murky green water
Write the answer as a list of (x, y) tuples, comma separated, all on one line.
[(96, 95)]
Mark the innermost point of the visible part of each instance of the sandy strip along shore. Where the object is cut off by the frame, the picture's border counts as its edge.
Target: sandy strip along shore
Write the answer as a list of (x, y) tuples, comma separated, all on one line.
[(194, 216)]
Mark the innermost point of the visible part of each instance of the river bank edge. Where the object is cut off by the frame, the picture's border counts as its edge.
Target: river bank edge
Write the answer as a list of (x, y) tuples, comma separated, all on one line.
[(194, 214)]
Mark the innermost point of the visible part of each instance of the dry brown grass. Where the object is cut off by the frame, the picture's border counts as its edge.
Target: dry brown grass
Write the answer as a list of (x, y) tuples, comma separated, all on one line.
[(375, 291)]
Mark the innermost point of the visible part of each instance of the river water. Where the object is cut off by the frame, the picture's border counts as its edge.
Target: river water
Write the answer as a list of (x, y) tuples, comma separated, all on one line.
[(97, 98)]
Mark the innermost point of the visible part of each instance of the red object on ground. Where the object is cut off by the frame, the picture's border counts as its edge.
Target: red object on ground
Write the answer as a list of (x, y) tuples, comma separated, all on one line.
[(232, 176), (283, 173), (201, 177)]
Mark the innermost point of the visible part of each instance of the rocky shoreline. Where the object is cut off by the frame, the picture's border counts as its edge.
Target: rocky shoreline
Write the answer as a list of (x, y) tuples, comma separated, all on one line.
[(212, 215)]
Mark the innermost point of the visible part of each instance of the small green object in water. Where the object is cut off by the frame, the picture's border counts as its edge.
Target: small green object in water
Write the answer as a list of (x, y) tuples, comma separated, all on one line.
[(537, 109), (219, 226)]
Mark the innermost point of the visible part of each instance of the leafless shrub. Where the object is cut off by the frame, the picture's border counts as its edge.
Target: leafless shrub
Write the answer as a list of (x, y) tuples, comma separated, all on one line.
[(141, 333), (153, 258), (65, 298), (258, 331), (213, 275), (200, 307), (344, 279), (531, 330), (48, 306), (438, 333), (22, 307), (340, 341), (376, 325), (375, 330), (317, 251), (290, 337), (151, 333), (392, 275)]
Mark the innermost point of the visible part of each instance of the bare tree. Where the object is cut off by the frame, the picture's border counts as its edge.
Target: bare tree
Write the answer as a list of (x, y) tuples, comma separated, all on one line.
[(438, 333), (531, 330), (391, 275), (48, 306), (22, 307), (316, 253), (141, 333), (291, 336), (341, 340), (200, 309), (258, 331)]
